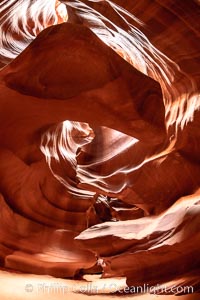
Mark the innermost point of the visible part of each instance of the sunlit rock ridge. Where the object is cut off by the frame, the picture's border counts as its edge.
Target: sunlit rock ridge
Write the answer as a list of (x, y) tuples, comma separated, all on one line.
[(100, 139)]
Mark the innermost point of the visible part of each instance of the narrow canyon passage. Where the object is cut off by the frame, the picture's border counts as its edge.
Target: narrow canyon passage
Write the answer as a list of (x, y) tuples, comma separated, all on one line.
[(99, 144)]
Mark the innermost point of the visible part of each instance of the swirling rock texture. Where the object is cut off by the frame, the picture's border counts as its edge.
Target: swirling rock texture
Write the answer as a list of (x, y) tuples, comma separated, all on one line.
[(99, 133)]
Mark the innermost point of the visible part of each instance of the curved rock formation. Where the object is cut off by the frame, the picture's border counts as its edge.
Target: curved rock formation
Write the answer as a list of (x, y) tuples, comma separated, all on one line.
[(99, 131)]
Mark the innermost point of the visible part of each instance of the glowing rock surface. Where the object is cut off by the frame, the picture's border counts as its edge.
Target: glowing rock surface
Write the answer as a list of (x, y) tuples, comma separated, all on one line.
[(99, 133)]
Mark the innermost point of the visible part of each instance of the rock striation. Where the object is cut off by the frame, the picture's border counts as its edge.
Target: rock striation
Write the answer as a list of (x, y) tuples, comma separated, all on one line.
[(99, 141)]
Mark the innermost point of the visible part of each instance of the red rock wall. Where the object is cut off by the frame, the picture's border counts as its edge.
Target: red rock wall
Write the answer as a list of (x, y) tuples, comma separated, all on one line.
[(99, 132)]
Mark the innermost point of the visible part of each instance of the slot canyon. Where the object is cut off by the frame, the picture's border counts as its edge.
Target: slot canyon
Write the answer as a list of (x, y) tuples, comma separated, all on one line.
[(99, 149)]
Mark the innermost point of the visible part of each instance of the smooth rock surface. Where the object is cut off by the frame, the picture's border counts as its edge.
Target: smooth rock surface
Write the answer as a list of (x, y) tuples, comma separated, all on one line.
[(99, 140)]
